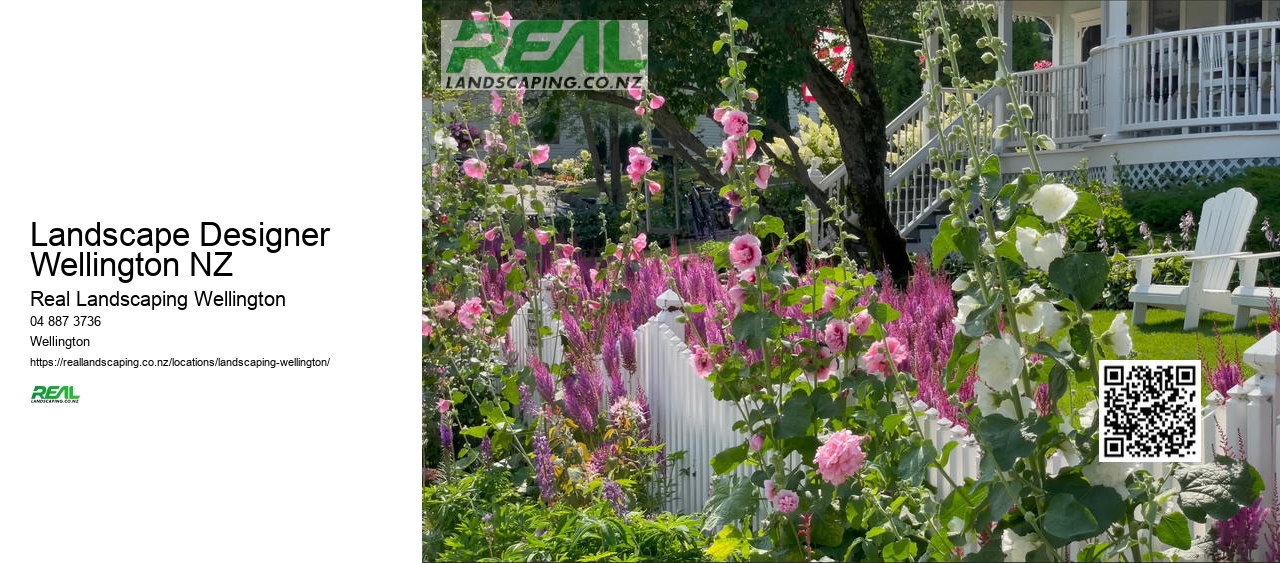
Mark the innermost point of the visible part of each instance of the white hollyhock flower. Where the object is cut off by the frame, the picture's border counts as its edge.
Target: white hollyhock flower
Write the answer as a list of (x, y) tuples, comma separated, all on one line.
[(1054, 320), (1010, 412), (1030, 314), (964, 306), (1087, 413), (442, 139), (1039, 250), (1118, 336), (1000, 362), (1053, 201), (1016, 547), (1110, 475), (961, 283), (985, 398)]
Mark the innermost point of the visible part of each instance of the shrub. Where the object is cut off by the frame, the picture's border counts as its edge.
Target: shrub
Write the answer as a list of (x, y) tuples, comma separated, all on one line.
[(1164, 212)]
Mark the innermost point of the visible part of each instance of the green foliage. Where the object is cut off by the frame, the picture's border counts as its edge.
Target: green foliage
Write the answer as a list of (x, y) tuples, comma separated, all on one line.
[(1120, 277), (520, 528), (1119, 227), (1163, 209)]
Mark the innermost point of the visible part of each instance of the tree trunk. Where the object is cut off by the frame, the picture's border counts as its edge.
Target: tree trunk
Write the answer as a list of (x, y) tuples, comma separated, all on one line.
[(860, 124), (615, 163), (593, 147)]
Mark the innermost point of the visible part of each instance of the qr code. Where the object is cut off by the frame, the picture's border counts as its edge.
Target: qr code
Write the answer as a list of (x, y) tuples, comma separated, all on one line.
[(1149, 411)]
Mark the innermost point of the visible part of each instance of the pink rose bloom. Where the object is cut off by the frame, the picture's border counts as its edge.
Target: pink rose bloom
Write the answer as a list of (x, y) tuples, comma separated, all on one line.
[(877, 359), (490, 234), (718, 113), (514, 119), (744, 252), (639, 243), (654, 187), (757, 442), (735, 124), (542, 236), (829, 298), (495, 102), (640, 110), (748, 276), (840, 457), (836, 335), (762, 175), (734, 199), (444, 309), (539, 154), (442, 405), (738, 297), (861, 322), (426, 326), (702, 364), (769, 492), (474, 168), (657, 102), (505, 19), (479, 16), (470, 312), (786, 502), (634, 91)]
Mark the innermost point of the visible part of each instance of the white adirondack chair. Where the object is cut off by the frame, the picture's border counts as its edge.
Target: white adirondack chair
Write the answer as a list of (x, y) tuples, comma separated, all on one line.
[(1224, 222), (1250, 299)]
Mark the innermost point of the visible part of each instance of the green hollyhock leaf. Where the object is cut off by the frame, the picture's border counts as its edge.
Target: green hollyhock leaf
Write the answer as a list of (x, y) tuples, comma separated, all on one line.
[(797, 416), (732, 499), (728, 459), (1006, 440), (1173, 530), (1217, 490), (913, 464), (1066, 518), (1083, 276)]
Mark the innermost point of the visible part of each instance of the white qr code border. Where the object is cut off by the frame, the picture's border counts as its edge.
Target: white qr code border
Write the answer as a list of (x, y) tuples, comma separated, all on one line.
[(1115, 374)]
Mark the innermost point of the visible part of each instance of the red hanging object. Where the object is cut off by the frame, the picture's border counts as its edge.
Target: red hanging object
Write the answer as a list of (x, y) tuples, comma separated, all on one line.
[(830, 48)]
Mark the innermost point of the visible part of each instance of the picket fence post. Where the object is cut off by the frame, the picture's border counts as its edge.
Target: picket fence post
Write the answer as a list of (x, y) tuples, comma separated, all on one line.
[(1264, 356)]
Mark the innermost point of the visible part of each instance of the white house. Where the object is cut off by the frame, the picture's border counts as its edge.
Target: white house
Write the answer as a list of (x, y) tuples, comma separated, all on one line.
[(1174, 90)]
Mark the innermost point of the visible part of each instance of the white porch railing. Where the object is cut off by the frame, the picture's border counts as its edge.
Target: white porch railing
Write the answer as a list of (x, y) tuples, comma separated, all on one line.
[(1199, 78), (1059, 101), (688, 417)]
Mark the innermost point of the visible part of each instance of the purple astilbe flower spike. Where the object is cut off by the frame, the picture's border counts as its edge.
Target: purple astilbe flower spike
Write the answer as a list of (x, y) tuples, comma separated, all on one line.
[(486, 451), (1238, 535), (1044, 405), (582, 399), (613, 493), (627, 345), (446, 432), (545, 467), (526, 401), (1185, 225), (543, 379)]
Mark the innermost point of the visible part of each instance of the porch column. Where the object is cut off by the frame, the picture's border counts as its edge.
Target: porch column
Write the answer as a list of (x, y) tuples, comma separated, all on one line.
[(1115, 18), (1004, 28)]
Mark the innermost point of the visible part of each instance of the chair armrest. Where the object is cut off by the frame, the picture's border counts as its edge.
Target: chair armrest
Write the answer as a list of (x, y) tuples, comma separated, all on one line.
[(1249, 266), (1160, 255), (1232, 255)]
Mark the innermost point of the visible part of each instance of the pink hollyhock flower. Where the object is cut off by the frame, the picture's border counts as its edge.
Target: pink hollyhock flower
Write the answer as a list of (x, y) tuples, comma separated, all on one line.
[(640, 110), (840, 457), (753, 95), (824, 372), (836, 335), (728, 154), (539, 154), (495, 102), (479, 16), (505, 18), (877, 358), (657, 102), (639, 243), (444, 309), (592, 273), (490, 234), (470, 312), (514, 119), (493, 141), (654, 187), (518, 165), (518, 255), (733, 212), (506, 267), (498, 307), (829, 298), (861, 322), (640, 164), (702, 364), (738, 297), (443, 405), (565, 267), (786, 502), (567, 250), (769, 492), (762, 175), (735, 124), (635, 92), (474, 168), (435, 170), (734, 199), (751, 147), (748, 276), (718, 113), (744, 252), (757, 442), (426, 326), (520, 93), (542, 236)]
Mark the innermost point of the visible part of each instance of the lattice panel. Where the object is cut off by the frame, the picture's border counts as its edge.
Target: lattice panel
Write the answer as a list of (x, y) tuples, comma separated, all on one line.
[(1158, 175)]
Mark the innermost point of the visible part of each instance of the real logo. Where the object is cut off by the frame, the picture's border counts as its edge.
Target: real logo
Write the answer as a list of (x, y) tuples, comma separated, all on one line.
[(543, 54), (54, 394)]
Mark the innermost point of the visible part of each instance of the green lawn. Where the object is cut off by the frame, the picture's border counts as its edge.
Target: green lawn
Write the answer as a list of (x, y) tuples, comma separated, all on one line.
[(1162, 337)]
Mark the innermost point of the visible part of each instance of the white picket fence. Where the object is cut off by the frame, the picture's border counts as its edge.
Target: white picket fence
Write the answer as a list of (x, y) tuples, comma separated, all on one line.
[(688, 418)]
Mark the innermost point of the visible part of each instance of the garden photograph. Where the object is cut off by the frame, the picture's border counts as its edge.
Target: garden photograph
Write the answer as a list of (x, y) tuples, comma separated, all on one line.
[(850, 280)]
